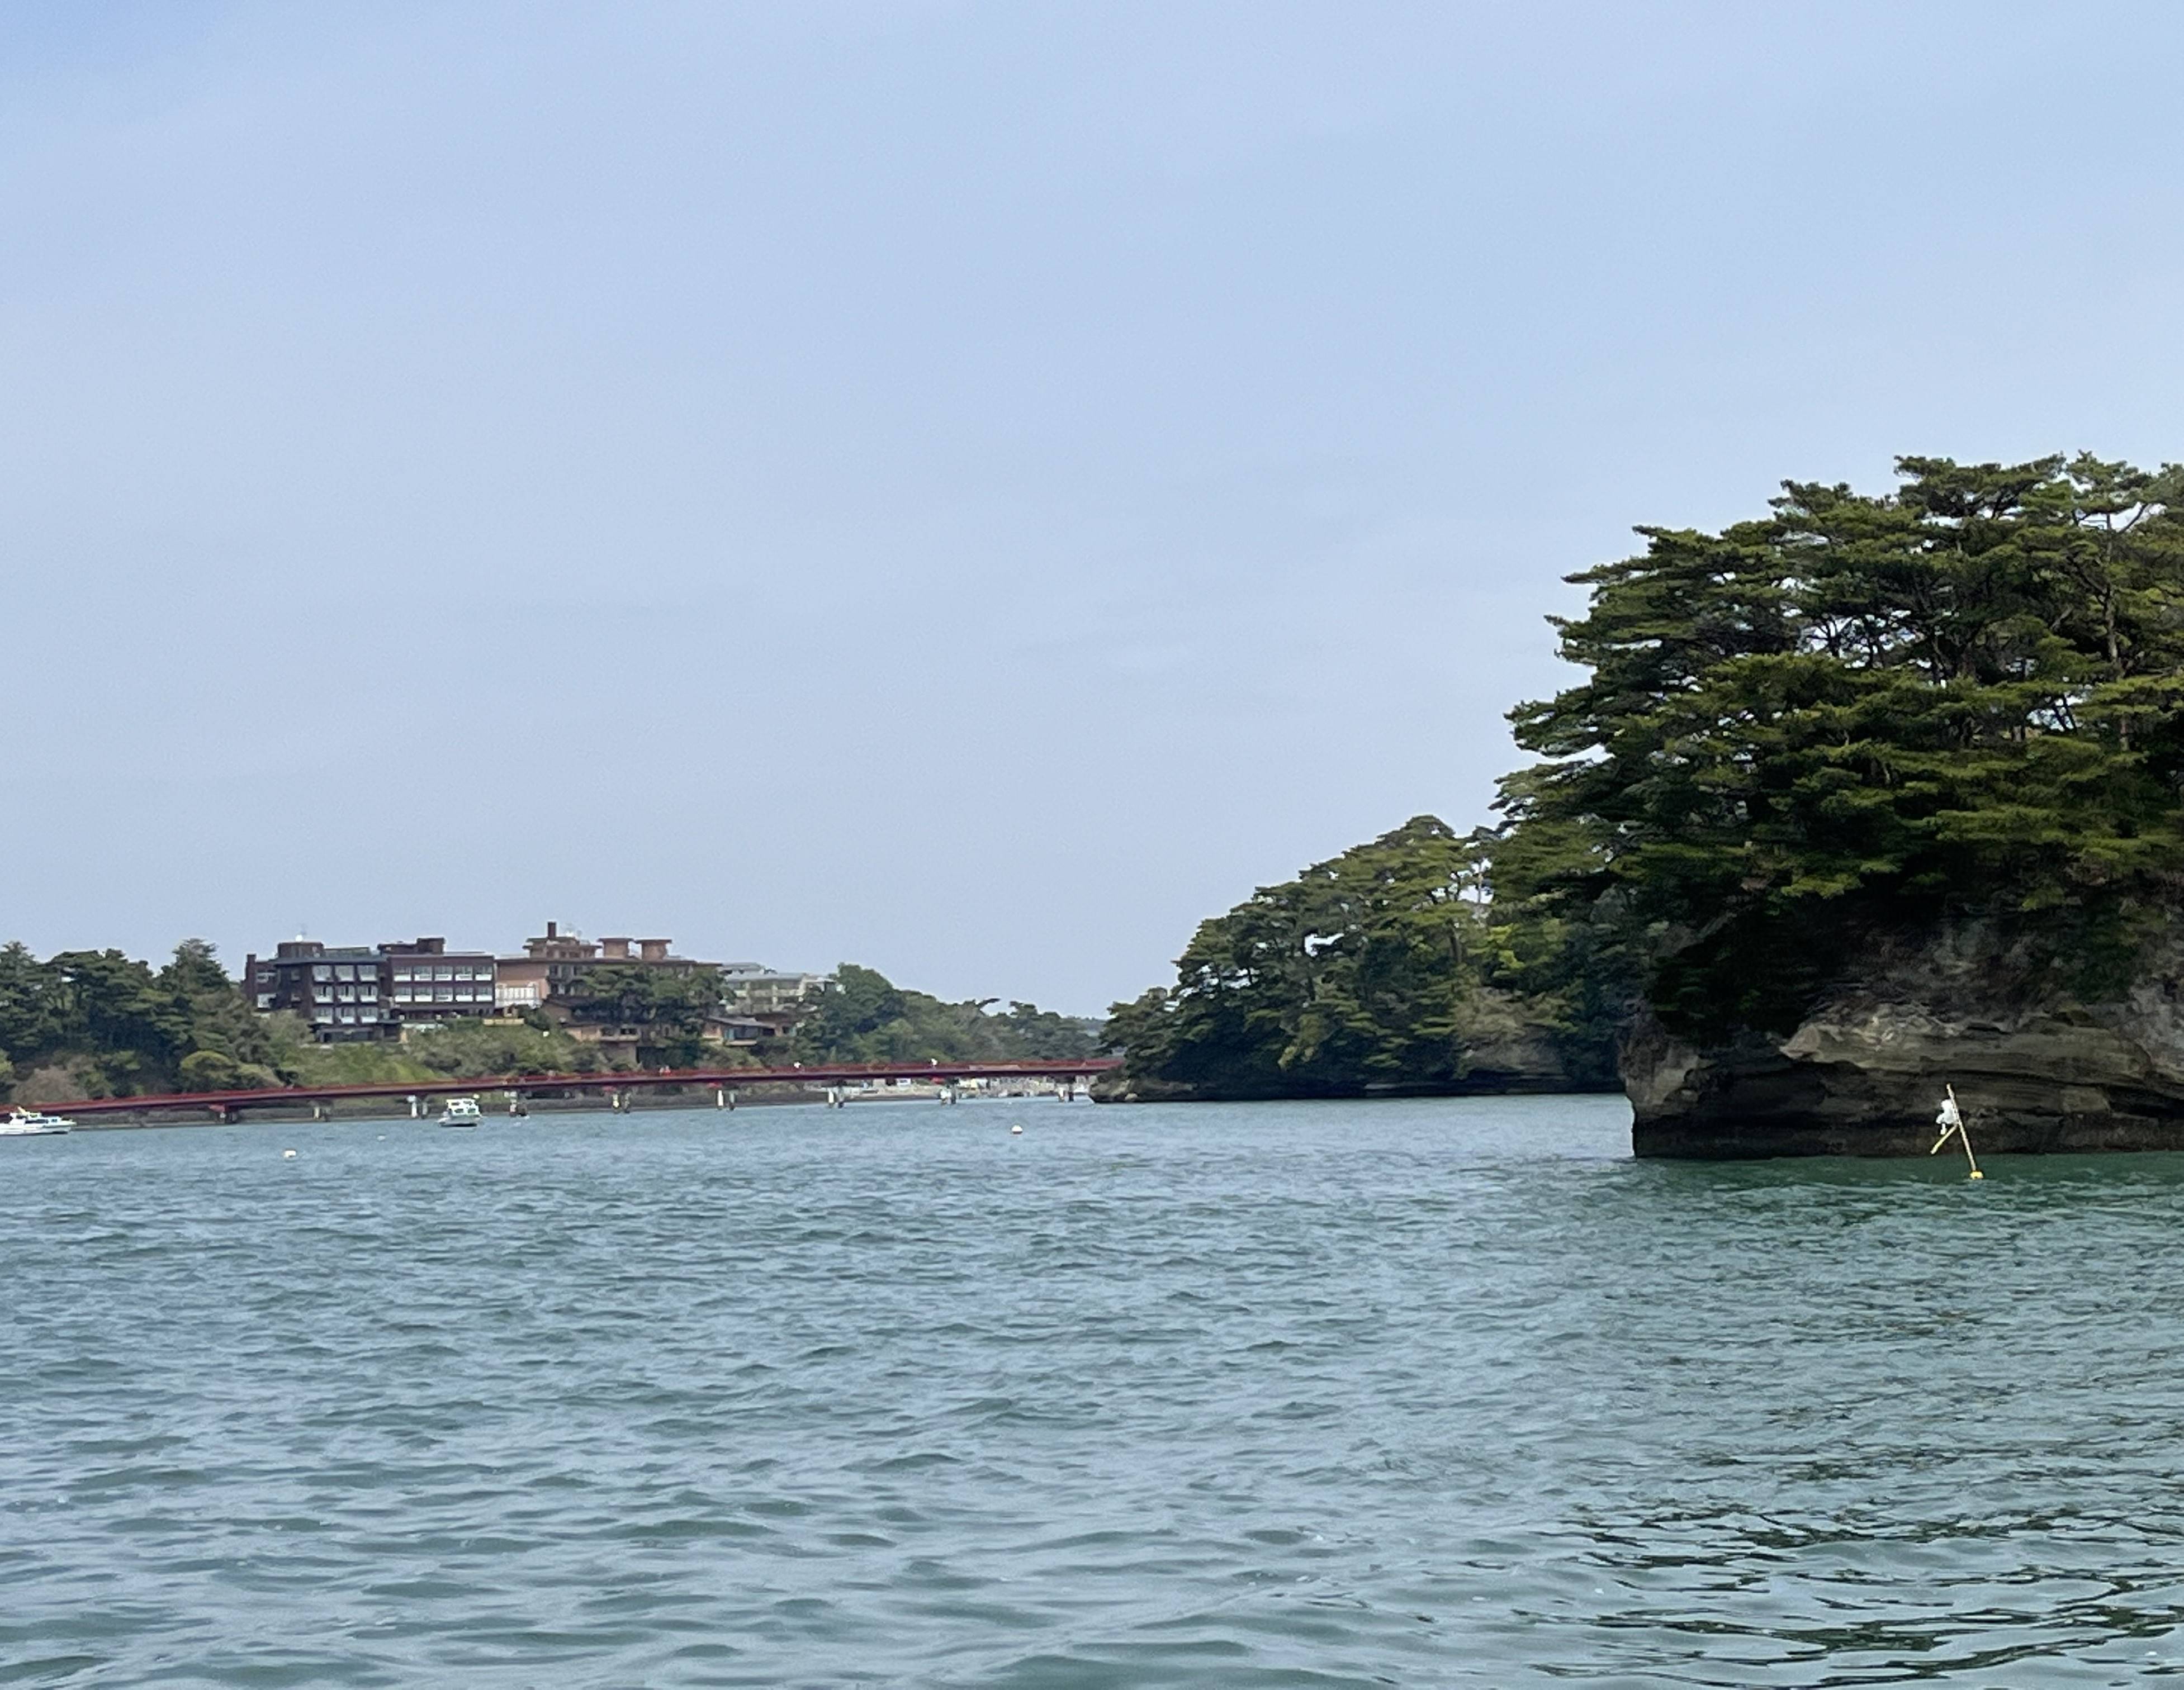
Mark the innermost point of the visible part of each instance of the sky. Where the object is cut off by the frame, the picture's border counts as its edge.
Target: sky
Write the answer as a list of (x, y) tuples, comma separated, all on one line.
[(969, 489)]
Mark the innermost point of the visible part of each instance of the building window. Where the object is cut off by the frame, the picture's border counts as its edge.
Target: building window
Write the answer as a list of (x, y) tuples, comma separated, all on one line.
[(265, 1000), (322, 1014), (322, 971), (322, 994), (370, 994)]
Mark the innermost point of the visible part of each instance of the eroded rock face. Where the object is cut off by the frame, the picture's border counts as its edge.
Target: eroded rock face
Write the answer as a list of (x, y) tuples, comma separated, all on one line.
[(1865, 1073)]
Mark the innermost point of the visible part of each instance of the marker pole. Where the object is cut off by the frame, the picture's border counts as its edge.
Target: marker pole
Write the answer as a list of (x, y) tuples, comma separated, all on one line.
[(1965, 1138)]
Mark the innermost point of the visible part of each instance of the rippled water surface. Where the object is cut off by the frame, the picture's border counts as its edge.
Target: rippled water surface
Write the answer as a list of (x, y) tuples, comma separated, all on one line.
[(1432, 1392)]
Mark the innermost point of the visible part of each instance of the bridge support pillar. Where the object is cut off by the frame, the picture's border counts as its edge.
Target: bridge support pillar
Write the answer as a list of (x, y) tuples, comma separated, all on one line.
[(318, 1111), (413, 1106)]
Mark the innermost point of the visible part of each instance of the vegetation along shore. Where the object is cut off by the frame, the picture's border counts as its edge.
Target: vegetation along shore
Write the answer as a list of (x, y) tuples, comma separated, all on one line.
[(1867, 794), (99, 1024)]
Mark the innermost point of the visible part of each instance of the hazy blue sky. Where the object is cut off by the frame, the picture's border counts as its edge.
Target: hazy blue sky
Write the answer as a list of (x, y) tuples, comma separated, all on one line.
[(971, 489)]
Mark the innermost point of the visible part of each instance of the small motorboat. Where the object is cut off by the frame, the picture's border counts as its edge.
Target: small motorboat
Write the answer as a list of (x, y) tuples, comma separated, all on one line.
[(23, 1123), (461, 1112)]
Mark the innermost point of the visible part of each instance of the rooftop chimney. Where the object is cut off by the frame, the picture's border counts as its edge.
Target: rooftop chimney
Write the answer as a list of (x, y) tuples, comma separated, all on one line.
[(615, 950), (553, 930), (653, 950)]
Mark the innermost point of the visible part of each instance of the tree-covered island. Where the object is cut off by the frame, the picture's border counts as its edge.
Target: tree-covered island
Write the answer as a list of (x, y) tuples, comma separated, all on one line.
[(1869, 794), (1384, 970)]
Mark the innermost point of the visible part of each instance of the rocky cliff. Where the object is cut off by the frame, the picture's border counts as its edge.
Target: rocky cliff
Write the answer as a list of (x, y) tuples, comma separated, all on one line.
[(2035, 1068)]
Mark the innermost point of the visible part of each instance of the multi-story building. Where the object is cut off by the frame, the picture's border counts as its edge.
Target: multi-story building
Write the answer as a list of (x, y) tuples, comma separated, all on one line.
[(360, 991), (777, 998), (374, 991), (549, 976), (426, 981), (553, 962), (547, 966), (338, 989)]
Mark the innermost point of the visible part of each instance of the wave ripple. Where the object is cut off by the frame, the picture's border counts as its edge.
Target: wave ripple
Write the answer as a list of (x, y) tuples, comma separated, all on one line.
[(1447, 1392)]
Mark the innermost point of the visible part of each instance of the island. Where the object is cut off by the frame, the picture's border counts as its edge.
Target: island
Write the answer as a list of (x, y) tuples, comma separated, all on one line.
[(1871, 795)]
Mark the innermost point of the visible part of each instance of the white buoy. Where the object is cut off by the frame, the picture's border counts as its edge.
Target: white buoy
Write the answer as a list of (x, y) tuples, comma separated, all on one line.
[(1018, 1127), (288, 1155)]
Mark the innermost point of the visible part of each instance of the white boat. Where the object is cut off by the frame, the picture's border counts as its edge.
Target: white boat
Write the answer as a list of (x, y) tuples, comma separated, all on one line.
[(461, 1112), (27, 1124)]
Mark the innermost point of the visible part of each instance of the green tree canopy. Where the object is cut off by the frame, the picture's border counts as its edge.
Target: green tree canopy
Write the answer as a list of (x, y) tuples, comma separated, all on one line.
[(1857, 711), (865, 1017), (32, 1017), (668, 1007), (1377, 968), (128, 1029), (638, 994)]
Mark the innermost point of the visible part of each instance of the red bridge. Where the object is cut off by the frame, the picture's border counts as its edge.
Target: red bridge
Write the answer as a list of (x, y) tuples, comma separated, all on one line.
[(724, 1082)]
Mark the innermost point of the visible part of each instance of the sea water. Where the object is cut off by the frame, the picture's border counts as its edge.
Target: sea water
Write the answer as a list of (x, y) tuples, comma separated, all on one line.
[(1445, 1392)]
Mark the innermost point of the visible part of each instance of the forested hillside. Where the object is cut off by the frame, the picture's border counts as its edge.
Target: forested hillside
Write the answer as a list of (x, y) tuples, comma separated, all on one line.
[(867, 1017), (98, 1023), (1386, 967), (105, 1022)]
